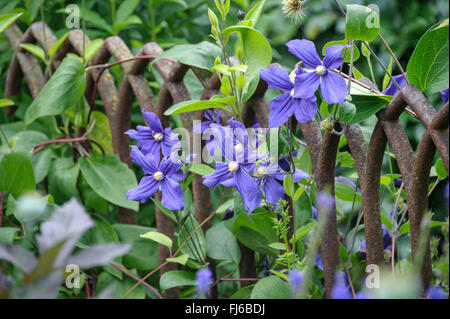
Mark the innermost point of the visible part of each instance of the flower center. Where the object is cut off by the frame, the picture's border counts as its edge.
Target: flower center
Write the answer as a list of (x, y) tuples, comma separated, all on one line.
[(158, 137), (159, 176), (239, 148), (261, 171), (321, 70), (233, 167), (292, 93)]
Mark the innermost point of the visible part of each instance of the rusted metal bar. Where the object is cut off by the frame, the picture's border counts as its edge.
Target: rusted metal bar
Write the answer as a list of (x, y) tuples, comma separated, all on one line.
[(325, 183)]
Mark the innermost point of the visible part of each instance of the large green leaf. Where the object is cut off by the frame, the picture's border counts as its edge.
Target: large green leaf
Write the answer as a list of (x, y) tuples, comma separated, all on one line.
[(144, 253), (62, 179), (196, 105), (257, 50), (221, 244), (363, 23), (201, 55), (428, 67), (256, 233), (7, 19), (176, 278), (368, 105), (63, 89), (16, 172), (271, 287), (109, 178)]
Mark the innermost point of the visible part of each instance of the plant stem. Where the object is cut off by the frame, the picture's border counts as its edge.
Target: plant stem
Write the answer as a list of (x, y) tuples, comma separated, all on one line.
[(394, 57)]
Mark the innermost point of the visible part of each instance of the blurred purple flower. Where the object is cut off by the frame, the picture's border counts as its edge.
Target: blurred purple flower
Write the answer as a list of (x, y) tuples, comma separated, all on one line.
[(444, 95), (153, 139), (296, 279), (319, 263), (344, 180), (314, 210), (436, 293), (285, 105), (332, 85), (363, 295), (341, 289), (392, 89), (164, 177), (325, 200), (204, 280)]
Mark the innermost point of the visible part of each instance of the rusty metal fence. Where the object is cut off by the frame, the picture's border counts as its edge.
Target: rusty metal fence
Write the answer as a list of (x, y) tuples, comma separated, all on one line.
[(414, 167)]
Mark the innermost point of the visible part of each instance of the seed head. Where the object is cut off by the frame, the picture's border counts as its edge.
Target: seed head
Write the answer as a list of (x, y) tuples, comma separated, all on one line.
[(294, 8)]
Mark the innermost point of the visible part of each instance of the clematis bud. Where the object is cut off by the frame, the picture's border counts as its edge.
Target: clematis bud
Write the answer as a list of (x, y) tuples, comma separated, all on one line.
[(327, 125)]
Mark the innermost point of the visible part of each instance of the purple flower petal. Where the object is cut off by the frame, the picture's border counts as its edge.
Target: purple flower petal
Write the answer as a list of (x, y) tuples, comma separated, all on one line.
[(299, 175), (171, 170), (169, 142), (220, 175), (444, 95), (147, 187), (333, 88), (306, 85), (281, 108), (305, 50), (247, 187), (392, 89), (305, 109), (273, 190), (333, 56), (153, 122), (147, 162), (172, 194), (132, 134), (277, 78)]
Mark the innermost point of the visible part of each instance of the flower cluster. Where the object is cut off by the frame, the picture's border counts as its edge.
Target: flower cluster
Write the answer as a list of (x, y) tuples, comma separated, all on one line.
[(300, 86), (161, 173)]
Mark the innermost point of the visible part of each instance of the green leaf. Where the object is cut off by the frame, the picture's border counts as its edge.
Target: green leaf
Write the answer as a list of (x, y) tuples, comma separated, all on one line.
[(428, 68), (386, 78), (386, 222), (288, 185), (277, 245), (35, 50), (7, 19), (196, 105), (102, 132), (159, 238), (177, 278), (92, 48), (303, 231), (164, 210), (62, 179), (182, 260), (256, 233), (255, 12), (130, 20), (109, 178), (406, 227), (17, 176), (63, 89), (221, 244), (346, 193), (347, 52), (257, 50), (7, 234), (201, 55), (144, 253), (58, 44), (243, 293), (362, 23), (201, 169), (271, 287), (440, 169), (6, 103), (125, 9)]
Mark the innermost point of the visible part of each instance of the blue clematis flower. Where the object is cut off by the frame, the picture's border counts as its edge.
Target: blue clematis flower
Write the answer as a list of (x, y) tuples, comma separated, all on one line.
[(269, 177), (287, 104), (392, 89), (164, 178), (204, 280), (444, 95), (236, 172), (154, 139), (332, 85)]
